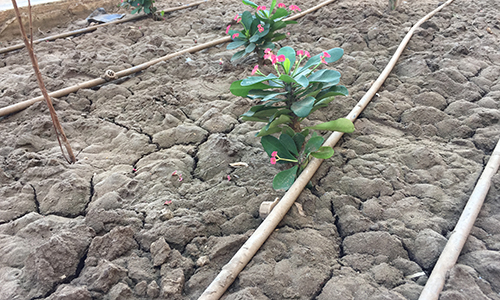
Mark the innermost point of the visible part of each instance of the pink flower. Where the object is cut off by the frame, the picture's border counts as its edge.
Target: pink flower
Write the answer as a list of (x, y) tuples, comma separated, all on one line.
[(236, 18), (261, 7), (167, 202), (281, 58), (268, 50), (300, 52), (235, 35), (255, 69), (260, 28), (307, 54), (294, 7), (138, 4), (273, 160), (325, 54), (134, 170), (274, 59), (281, 5), (274, 154), (174, 173), (323, 60), (228, 178), (239, 20), (180, 177), (227, 29)]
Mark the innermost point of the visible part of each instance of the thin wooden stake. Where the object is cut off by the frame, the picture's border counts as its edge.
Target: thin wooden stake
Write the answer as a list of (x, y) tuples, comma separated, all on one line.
[(55, 121)]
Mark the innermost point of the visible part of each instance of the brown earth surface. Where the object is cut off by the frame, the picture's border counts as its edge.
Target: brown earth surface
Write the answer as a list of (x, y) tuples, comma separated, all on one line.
[(380, 209)]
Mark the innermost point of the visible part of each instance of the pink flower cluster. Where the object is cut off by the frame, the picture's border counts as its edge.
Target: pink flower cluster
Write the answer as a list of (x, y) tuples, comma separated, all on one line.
[(261, 7), (281, 5), (273, 58), (177, 174), (255, 69), (237, 18), (273, 157), (294, 7), (303, 52), (322, 57), (260, 28)]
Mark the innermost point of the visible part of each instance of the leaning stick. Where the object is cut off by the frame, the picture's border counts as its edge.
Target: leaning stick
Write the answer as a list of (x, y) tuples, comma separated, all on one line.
[(55, 121), (456, 242), (94, 82), (92, 28), (229, 272)]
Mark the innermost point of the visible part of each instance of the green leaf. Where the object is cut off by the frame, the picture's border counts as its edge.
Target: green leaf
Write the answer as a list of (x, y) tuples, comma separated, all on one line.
[(254, 119), (286, 66), (341, 125), (278, 25), (313, 144), (235, 44), (323, 152), (273, 4), (288, 130), (271, 96), (303, 107), (267, 131), (285, 179), (338, 90), (287, 78), (138, 9), (238, 90), (335, 54), (279, 14), (271, 144), (250, 48), (250, 3), (288, 142), (237, 55), (289, 53), (302, 80), (246, 19), (256, 79), (260, 111), (299, 140), (325, 75)]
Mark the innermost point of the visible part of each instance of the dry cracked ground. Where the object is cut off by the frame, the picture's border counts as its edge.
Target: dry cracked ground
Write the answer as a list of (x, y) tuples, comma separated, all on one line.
[(380, 210)]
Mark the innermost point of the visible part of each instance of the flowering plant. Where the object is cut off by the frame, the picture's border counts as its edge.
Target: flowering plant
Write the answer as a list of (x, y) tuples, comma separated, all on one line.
[(259, 29), (286, 100), (138, 5)]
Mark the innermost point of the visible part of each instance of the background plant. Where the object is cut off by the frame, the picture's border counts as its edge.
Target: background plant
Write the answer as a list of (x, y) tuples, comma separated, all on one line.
[(138, 5), (259, 29), (288, 98)]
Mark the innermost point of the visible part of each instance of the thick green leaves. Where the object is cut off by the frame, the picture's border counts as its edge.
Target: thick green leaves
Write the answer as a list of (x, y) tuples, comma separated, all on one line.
[(271, 96), (338, 90), (285, 179), (323, 152), (267, 131), (325, 75), (280, 13), (235, 44), (250, 3), (303, 107), (238, 90), (289, 144), (302, 80), (250, 48), (335, 54), (287, 79), (271, 144), (341, 125), (313, 144), (299, 140), (247, 19), (256, 79), (237, 55)]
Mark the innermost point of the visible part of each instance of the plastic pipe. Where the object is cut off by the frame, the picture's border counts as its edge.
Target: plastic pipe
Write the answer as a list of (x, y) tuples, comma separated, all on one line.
[(456, 242), (92, 28), (229, 272)]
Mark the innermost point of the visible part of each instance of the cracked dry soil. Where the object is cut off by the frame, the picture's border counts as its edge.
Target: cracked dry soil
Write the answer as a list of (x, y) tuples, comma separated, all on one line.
[(380, 209)]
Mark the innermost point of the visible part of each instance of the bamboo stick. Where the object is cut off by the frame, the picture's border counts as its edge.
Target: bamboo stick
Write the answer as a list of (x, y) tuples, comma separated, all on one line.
[(92, 28), (55, 120), (229, 272), (456, 242)]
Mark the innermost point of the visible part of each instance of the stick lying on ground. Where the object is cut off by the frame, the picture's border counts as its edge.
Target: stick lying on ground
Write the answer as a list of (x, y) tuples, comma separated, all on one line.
[(55, 121), (231, 270), (456, 242), (92, 28)]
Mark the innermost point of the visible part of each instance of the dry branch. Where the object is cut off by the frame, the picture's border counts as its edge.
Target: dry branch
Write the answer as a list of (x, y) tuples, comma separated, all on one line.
[(55, 121)]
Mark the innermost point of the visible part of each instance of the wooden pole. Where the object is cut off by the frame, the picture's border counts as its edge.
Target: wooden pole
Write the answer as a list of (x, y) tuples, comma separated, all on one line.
[(55, 121)]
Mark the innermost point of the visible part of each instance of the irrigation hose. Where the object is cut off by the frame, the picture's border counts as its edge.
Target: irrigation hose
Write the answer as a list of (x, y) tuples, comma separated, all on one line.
[(94, 82), (456, 242), (92, 28), (229, 272)]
